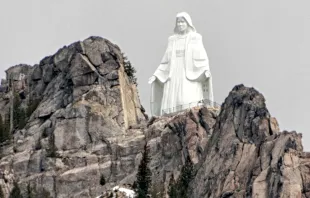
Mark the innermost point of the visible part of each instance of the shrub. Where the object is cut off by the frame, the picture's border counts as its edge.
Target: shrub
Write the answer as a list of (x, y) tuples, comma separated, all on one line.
[(129, 70)]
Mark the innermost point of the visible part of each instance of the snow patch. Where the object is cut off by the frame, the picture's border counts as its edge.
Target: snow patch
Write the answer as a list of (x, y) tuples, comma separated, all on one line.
[(129, 193)]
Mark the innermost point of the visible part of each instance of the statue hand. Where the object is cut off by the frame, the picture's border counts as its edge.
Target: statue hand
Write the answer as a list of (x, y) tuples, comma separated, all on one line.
[(207, 74), (152, 79)]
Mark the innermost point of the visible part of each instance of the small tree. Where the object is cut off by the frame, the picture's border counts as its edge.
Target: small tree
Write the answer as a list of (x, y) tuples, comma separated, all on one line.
[(22, 118), (129, 69), (102, 180), (180, 188), (51, 151), (1, 193), (32, 106), (144, 175), (6, 128), (2, 130), (15, 193), (172, 191), (44, 193), (16, 110), (187, 174), (19, 113), (30, 191)]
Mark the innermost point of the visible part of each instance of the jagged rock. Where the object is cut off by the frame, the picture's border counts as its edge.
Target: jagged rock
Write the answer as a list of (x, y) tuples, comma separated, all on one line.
[(78, 129), (37, 73), (82, 71), (274, 126), (63, 57), (96, 49), (17, 72), (48, 73), (247, 157), (85, 122), (108, 66)]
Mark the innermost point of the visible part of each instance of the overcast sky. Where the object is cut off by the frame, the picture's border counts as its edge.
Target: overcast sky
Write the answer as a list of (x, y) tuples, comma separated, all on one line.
[(264, 44)]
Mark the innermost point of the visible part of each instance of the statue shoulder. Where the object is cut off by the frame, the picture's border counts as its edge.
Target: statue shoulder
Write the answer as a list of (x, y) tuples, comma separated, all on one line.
[(196, 36)]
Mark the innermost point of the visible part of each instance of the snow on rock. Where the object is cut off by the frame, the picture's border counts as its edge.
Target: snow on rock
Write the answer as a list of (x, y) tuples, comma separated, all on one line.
[(128, 192), (120, 192)]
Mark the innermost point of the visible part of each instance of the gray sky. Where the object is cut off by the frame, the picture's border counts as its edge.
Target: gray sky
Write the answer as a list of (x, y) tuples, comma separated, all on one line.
[(264, 44)]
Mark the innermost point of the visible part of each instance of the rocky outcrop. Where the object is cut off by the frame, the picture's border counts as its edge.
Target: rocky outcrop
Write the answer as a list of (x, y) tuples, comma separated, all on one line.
[(174, 139), (85, 131), (81, 107), (247, 156)]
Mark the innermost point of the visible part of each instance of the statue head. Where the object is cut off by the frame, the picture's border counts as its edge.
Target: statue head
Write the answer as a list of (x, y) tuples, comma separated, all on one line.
[(183, 24)]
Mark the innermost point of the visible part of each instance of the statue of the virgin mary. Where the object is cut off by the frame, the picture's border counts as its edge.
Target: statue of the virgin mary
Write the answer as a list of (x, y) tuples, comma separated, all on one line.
[(183, 77)]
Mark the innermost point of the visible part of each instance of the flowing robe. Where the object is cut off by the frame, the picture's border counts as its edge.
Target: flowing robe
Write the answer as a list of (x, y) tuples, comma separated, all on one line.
[(196, 69)]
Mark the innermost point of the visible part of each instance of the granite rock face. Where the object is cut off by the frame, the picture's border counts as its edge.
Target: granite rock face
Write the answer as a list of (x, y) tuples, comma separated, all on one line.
[(247, 156), (77, 130), (85, 132)]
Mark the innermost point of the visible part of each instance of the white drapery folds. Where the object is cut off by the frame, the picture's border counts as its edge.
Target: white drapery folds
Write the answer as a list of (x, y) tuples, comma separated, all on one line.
[(196, 66)]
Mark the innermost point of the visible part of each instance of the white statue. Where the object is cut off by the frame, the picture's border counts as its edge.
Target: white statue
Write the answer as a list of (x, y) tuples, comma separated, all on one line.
[(183, 77)]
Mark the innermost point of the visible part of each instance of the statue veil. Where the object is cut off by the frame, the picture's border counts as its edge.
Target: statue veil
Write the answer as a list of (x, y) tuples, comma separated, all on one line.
[(188, 19)]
